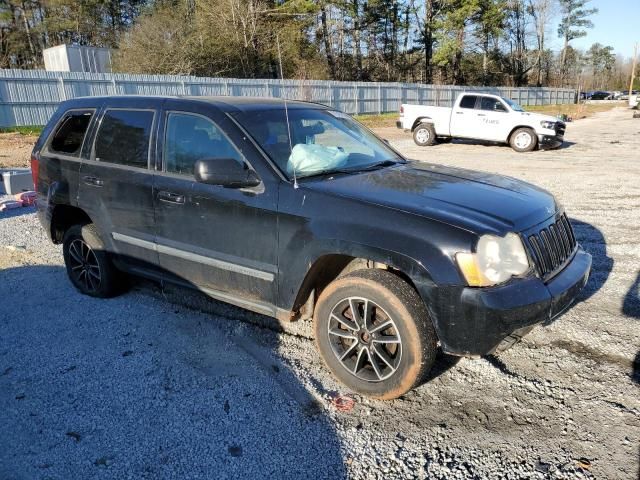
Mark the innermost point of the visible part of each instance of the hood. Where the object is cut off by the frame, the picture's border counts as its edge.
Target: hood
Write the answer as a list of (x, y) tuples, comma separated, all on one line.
[(476, 201), (539, 117)]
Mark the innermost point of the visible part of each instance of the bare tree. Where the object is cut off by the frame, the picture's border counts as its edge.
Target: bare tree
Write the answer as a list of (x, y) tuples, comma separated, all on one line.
[(541, 12)]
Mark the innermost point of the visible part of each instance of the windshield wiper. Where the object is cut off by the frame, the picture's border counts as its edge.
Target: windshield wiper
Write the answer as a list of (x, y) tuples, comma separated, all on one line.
[(363, 168), (368, 168)]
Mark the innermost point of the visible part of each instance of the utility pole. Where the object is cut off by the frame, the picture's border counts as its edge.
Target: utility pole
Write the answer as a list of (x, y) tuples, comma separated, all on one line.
[(633, 69)]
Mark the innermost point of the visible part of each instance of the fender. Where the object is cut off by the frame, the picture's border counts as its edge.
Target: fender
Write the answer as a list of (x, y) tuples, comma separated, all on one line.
[(422, 119)]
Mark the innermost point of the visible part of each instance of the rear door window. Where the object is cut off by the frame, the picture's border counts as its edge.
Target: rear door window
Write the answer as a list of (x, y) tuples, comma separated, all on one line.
[(468, 101), (190, 138), (123, 137), (69, 136)]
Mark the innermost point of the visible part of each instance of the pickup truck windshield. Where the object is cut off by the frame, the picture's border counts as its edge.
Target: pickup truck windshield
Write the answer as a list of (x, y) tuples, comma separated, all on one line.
[(322, 141), (514, 106)]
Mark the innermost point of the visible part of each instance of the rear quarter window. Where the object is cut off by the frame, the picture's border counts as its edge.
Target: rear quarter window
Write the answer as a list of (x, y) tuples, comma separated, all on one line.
[(70, 132), (123, 137)]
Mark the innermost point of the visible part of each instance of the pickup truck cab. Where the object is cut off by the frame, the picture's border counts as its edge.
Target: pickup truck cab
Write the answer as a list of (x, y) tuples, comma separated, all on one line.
[(482, 116), (296, 211)]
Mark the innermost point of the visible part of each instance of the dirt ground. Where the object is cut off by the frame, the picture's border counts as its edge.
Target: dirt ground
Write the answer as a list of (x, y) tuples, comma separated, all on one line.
[(15, 149), (564, 403)]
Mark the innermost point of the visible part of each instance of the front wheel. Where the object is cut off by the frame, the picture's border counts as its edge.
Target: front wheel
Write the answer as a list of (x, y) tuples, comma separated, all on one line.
[(424, 134), (374, 333), (523, 140)]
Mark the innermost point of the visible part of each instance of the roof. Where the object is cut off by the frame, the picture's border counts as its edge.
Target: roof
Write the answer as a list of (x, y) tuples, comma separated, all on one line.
[(225, 103), (253, 103)]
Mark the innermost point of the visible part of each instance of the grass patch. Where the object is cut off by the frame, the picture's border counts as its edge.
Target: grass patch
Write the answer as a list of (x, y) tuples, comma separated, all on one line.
[(574, 110), (25, 130), (377, 121)]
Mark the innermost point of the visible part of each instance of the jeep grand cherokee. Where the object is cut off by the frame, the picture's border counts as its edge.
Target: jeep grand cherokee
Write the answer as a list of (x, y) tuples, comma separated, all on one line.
[(295, 210)]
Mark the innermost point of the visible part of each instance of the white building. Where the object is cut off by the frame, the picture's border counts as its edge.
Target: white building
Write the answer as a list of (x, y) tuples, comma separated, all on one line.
[(74, 58)]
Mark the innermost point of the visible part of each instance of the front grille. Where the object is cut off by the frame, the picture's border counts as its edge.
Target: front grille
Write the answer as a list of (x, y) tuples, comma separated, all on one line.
[(552, 246), (560, 128)]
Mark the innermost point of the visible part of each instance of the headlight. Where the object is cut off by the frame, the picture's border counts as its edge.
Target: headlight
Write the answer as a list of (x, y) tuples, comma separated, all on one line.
[(496, 260), (548, 124)]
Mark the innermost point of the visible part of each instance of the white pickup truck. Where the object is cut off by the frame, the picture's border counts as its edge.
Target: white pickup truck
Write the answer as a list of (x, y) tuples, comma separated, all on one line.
[(482, 116)]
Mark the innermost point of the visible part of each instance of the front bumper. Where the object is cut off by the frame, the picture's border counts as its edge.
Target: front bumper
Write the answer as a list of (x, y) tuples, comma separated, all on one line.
[(474, 321), (550, 141)]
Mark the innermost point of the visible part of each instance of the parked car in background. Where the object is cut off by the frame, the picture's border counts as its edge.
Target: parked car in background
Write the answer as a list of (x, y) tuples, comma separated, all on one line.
[(601, 95), (296, 211), (482, 116)]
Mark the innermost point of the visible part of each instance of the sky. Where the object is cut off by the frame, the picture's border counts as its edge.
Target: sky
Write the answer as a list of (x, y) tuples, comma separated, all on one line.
[(617, 24)]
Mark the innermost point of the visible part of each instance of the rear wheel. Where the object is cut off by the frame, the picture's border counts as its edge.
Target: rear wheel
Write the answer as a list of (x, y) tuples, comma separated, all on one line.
[(374, 333), (523, 140), (424, 134), (88, 264)]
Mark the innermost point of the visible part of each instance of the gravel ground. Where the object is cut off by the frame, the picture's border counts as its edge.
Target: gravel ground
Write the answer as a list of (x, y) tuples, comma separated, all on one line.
[(163, 384)]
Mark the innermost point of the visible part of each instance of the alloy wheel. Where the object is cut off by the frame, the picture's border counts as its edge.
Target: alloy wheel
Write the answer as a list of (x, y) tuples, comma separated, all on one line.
[(365, 339), (84, 265)]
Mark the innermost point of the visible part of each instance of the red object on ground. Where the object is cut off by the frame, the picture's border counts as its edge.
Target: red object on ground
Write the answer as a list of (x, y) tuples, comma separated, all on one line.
[(27, 198), (343, 403)]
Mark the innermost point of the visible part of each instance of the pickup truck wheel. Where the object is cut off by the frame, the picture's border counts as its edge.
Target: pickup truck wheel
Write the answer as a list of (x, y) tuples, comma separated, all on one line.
[(523, 140), (424, 134), (374, 333), (88, 265)]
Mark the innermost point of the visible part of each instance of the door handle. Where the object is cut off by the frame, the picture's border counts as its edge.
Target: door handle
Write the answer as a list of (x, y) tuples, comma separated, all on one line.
[(93, 181), (171, 197), (482, 115), (459, 113)]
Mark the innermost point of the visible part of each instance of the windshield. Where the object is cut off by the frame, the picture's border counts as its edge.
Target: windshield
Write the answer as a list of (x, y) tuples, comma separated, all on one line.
[(514, 106), (322, 141)]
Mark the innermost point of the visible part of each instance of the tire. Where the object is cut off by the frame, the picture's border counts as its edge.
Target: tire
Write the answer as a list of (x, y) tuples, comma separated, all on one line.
[(511, 340), (518, 140), (424, 134), (88, 264), (403, 353)]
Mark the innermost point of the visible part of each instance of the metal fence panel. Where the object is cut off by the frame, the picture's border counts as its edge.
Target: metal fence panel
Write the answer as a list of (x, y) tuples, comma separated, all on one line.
[(29, 97)]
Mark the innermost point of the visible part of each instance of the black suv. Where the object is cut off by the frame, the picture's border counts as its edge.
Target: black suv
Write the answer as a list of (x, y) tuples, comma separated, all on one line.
[(296, 211)]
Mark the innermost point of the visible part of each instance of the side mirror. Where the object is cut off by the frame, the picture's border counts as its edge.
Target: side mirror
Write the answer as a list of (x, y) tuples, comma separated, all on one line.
[(225, 172)]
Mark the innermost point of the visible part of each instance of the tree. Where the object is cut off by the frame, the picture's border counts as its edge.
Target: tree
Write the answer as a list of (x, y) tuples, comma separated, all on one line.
[(541, 12), (432, 9), (456, 16), (489, 23), (517, 62), (27, 27), (223, 38), (601, 60), (574, 20)]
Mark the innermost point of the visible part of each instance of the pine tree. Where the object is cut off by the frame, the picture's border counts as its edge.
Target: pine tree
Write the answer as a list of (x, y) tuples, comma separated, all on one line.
[(574, 21)]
